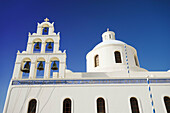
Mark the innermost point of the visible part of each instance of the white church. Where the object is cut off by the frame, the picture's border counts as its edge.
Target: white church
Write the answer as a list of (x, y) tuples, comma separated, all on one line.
[(114, 81)]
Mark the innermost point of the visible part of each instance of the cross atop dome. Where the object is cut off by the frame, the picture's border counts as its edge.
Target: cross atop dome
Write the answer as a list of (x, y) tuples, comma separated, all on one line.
[(46, 19), (107, 29)]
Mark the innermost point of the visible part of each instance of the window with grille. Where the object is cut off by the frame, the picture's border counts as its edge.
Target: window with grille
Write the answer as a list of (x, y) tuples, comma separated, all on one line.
[(32, 106), (134, 105), (96, 60), (67, 106), (100, 105), (167, 103), (118, 57)]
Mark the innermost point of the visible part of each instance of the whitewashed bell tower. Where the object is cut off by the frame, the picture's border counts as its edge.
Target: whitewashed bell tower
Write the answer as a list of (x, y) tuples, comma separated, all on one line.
[(42, 53)]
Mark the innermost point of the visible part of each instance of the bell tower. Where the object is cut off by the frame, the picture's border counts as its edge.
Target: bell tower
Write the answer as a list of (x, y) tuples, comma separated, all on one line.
[(42, 58)]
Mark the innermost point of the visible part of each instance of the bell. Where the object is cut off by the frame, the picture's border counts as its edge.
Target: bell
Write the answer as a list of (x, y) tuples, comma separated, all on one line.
[(37, 45), (54, 67), (26, 68), (49, 46), (40, 67), (45, 29)]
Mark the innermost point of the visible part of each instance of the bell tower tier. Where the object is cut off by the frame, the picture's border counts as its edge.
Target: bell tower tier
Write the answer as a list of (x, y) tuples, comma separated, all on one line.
[(112, 56), (42, 57)]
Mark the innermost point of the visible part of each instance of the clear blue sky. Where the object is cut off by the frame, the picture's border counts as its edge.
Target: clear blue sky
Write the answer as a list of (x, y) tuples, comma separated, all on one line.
[(143, 24)]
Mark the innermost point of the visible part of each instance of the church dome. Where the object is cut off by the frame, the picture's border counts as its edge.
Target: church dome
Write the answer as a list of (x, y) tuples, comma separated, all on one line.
[(112, 55), (109, 42)]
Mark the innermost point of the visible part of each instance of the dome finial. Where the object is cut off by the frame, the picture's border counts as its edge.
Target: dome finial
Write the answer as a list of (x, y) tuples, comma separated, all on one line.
[(108, 35)]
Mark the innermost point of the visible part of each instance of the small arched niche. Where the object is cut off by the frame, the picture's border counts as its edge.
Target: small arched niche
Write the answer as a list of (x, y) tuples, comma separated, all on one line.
[(40, 67), (54, 67), (45, 29), (25, 68), (37, 45), (49, 45)]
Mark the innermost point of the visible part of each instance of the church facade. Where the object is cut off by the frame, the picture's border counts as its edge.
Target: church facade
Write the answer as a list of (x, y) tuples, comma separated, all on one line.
[(114, 81)]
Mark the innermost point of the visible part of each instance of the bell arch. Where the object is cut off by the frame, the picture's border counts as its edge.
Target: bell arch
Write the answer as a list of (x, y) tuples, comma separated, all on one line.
[(45, 29), (40, 67), (36, 45), (49, 45), (54, 67), (25, 68)]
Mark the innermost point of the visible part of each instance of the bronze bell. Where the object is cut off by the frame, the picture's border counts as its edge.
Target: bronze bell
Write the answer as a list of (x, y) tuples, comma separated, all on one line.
[(40, 66), (49, 45), (37, 45), (26, 68), (54, 67), (45, 29)]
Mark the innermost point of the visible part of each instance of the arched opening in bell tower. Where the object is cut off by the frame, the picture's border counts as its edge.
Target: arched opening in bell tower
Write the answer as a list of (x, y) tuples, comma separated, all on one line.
[(49, 46), (45, 29), (25, 68), (40, 68), (37, 45), (54, 67)]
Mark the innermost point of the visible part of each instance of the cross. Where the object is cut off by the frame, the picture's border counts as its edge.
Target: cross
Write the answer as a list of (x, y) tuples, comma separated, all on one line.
[(46, 20), (107, 29)]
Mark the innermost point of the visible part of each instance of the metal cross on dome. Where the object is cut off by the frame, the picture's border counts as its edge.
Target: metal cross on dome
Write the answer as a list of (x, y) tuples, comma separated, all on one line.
[(46, 20)]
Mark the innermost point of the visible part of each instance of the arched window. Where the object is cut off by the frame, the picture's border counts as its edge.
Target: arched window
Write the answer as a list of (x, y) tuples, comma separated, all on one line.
[(67, 106), (100, 105), (167, 103), (118, 57), (136, 60), (96, 60), (134, 105), (32, 106)]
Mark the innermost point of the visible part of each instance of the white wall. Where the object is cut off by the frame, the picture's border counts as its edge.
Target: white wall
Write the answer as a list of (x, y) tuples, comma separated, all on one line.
[(84, 97)]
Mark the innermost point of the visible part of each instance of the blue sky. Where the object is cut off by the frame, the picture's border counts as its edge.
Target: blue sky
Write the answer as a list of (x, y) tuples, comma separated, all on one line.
[(143, 24)]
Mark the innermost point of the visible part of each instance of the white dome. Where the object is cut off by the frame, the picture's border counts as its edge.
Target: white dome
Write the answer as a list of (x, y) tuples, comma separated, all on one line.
[(109, 42), (112, 55)]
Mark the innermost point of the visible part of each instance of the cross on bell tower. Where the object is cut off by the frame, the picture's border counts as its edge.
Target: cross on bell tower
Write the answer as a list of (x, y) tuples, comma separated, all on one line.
[(46, 19)]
